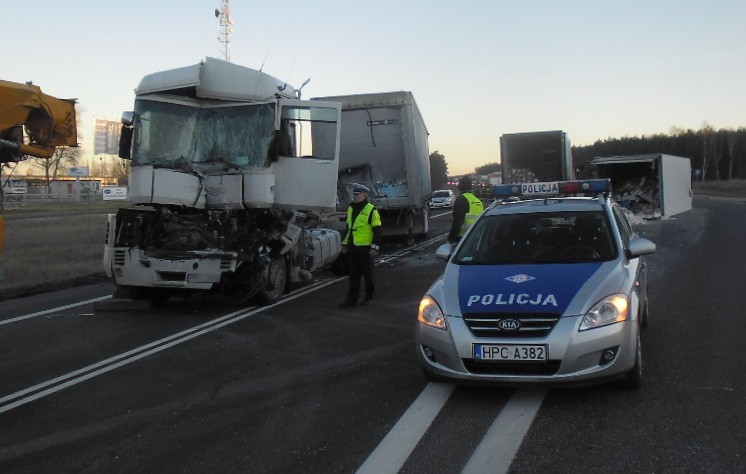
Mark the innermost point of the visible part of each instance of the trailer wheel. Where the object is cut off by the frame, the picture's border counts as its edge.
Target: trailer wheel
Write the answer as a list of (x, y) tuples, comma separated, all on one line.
[(276, 281)]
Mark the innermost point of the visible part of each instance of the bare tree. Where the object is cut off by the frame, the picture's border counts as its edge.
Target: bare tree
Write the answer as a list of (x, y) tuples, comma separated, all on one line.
[(730, 143), (122, 171), (708, 139), (63, 156)]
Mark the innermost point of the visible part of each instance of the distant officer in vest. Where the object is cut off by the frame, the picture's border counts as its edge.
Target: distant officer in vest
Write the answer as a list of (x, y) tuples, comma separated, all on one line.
[(466, 208), (361, 244)]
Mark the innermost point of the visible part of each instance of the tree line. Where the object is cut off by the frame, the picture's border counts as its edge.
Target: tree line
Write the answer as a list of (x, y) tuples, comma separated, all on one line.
[(717, 154)]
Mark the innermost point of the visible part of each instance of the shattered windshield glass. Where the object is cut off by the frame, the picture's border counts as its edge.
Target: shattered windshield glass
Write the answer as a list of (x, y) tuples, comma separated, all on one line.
[(546, 237), (189, 138)]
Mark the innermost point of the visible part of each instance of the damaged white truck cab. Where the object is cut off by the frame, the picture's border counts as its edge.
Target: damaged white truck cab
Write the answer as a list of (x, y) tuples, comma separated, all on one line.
[(228, 167)]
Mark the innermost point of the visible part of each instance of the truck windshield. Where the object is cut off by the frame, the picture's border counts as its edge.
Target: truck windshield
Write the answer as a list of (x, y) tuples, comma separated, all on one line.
[(190, 138), (546, 237)]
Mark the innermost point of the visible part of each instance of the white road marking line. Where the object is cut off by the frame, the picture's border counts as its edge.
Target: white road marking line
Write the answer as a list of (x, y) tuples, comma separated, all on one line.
[(126, 358), (401, 440), (133, 355), (47, 311), (502, 440)]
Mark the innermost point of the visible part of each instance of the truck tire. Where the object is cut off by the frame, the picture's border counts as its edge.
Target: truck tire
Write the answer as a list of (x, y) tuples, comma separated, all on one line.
[(276, 282)]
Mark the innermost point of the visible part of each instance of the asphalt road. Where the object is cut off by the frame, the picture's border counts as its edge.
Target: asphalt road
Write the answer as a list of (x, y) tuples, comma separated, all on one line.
[(303, 386)]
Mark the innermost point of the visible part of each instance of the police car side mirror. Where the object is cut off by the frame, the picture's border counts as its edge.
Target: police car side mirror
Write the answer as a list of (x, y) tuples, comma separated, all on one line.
[(639, 246), (444, 251)]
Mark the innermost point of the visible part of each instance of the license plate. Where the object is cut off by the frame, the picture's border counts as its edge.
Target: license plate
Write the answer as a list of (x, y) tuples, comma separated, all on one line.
[(510, 352)]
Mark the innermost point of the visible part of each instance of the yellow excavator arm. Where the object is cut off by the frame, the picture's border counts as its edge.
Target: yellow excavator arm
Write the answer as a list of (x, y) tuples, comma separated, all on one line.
[(49, 122)]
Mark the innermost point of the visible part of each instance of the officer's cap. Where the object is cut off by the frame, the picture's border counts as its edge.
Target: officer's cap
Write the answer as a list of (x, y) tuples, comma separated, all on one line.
[(359, 188)]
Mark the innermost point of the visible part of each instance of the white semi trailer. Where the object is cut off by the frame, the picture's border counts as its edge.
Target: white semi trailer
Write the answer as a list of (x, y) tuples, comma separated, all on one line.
[(228, 170), (384, 144)]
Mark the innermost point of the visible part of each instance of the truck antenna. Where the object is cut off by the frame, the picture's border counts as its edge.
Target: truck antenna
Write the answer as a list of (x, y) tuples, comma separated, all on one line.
[(265, 60), (284, 86)]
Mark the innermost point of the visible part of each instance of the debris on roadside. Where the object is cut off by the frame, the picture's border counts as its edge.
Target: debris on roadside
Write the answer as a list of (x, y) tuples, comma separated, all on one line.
[(638, 196)]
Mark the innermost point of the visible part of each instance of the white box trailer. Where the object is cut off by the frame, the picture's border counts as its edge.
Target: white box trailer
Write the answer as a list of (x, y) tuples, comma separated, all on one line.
[(653, 186), (383, 144)]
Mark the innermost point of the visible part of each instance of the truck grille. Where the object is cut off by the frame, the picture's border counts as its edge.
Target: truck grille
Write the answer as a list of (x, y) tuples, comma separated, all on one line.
[(119, 257), (225, 264), (531, 324)]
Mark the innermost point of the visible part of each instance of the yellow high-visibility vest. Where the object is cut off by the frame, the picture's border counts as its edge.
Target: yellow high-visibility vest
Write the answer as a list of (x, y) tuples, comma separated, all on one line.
[(475, 210), (362, 229)]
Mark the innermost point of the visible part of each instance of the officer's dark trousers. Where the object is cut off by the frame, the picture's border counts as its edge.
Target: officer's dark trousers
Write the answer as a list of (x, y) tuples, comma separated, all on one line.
[(361, 265)]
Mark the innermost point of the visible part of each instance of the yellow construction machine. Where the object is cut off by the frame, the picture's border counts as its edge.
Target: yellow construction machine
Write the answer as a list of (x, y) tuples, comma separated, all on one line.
[(32, 123)]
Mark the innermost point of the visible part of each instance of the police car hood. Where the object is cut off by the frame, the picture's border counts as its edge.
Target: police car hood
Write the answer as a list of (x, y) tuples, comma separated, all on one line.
[(567, 289)]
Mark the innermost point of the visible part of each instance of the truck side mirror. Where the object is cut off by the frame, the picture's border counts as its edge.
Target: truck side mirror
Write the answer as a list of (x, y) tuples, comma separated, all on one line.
[(125, 135), (125, 142)]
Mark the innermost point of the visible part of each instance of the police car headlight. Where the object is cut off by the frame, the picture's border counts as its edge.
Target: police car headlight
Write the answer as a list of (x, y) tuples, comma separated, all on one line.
[(610, 310), (430, 313)]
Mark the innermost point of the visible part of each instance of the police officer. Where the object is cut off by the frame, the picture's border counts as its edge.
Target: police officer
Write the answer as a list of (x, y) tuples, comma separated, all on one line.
[(466, 208), (361, 244)]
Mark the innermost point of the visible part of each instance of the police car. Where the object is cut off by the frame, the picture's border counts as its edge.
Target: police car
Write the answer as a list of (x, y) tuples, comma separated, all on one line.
[(548, 286)]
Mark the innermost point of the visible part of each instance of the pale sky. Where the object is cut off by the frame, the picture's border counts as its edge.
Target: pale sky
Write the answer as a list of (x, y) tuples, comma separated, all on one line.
[(593, 68)]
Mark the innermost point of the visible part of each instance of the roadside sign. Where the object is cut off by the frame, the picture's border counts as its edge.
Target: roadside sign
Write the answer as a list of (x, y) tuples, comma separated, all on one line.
[(113, 193), (78, 171)]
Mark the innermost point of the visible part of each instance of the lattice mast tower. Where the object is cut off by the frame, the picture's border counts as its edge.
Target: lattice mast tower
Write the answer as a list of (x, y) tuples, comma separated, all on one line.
[(223, 14)]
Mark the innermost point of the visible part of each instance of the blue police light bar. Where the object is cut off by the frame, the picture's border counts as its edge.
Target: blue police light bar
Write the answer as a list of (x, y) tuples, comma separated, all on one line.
[(553, 188)]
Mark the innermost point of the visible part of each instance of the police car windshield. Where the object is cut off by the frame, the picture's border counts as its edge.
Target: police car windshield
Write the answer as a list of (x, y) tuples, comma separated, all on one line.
[(546, 237)]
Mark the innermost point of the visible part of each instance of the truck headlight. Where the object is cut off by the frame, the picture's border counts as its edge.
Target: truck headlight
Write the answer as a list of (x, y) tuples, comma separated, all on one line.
[(430, 313), (610, 310)]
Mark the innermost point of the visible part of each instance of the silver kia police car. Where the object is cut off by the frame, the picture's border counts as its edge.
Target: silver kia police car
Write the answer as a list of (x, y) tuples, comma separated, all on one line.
[(547, 286)]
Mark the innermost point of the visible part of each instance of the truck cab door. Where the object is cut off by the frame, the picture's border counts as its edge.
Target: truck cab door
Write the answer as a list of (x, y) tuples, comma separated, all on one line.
[(308, 160)]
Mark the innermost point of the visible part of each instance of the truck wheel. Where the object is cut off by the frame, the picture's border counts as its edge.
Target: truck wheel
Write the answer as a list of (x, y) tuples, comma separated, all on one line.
[(276, 281)]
